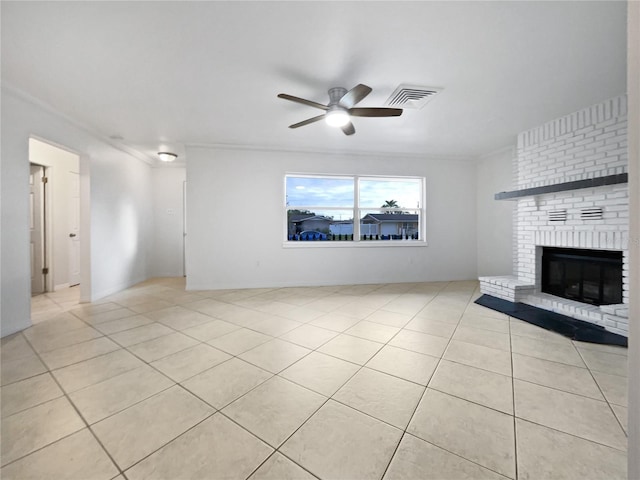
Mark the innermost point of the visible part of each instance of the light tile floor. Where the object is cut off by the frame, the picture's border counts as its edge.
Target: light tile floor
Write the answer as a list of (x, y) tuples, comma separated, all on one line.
[(401, 381)]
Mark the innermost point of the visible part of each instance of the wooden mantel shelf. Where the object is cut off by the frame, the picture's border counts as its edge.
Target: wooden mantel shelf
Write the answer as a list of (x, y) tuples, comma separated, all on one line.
[(563, 187)]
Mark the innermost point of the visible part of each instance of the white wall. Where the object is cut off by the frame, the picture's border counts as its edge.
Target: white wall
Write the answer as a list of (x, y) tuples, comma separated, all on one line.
[(121, 220), (168, 182), (235, 222), (633, 88), (495, 217), (121, 211)]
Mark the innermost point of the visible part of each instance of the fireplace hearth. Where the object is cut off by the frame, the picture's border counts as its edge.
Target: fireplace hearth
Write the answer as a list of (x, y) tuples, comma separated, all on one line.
[(588, 276)]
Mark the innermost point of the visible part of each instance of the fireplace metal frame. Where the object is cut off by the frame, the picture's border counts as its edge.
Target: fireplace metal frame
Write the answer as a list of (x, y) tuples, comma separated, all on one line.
[(558, 261)]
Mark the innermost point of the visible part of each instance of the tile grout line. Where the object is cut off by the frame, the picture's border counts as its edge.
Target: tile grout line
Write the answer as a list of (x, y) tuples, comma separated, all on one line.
[(82, 418), (585, 367), (513, 402), (276, 449), (22, 358), (405, 430), (89, 426), (327, 398), (278, 452), (439, 446), (172, 440), (563, 391), (609, 404), (361, 367), (572, 435), (570, 393)]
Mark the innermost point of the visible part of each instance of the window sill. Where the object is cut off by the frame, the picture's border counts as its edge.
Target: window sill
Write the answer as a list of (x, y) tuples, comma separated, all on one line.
[(360, 244)]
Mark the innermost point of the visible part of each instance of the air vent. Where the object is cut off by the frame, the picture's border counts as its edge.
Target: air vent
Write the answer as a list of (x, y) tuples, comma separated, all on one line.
[(411, 96), (591, 213), (557, 215)]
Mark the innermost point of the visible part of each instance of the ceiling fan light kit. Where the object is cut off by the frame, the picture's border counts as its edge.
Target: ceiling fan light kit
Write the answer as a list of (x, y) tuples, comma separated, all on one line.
[(337, 117), (340, 109)]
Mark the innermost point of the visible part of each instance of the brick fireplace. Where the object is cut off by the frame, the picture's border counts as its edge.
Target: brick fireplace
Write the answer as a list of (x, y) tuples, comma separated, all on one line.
[(571, 193)]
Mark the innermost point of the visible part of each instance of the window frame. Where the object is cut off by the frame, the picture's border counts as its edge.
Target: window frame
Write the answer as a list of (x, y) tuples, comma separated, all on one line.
[(357, 211)]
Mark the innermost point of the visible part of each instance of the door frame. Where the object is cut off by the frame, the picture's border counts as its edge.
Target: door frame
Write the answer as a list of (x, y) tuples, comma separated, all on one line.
[(85, 220), (184, 228), (43, 202), (73, 207)]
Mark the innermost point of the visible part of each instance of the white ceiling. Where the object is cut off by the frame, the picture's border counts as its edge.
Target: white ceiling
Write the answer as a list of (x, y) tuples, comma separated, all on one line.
[(180, 73)]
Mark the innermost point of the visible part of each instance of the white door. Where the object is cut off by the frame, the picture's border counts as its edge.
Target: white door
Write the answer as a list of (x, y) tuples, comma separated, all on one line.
[(74, 228), (36, 221)]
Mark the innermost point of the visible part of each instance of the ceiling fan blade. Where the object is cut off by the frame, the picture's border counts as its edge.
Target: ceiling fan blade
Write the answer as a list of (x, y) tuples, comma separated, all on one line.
[(354, 95), (303, 101), (375, 112), (307, 121), (348, 129)]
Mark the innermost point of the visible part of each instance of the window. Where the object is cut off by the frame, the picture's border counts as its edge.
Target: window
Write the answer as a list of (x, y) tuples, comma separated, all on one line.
[(323, 209)]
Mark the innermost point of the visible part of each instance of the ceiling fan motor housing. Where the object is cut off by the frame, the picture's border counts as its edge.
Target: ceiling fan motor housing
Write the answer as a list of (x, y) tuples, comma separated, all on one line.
[(335, 94)]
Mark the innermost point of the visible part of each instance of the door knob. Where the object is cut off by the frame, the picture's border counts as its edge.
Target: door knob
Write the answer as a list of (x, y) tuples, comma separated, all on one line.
[(72, 235)]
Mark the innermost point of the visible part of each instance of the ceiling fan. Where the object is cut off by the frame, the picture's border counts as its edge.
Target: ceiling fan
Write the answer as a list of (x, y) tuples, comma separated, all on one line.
[(340, 109)]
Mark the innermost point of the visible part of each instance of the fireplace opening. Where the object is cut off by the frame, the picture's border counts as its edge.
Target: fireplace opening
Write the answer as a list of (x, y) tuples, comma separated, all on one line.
[(587, 276)]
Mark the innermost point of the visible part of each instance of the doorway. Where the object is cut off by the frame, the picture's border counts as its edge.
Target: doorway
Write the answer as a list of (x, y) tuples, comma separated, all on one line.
[(55, 217)]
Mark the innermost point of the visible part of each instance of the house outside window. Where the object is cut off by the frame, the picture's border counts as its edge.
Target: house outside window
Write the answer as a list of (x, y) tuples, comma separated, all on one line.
[(390, 225), (322, 208)]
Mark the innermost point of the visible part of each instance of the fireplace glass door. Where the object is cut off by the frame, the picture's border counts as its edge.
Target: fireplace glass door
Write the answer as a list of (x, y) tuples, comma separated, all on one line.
[(587, 276)]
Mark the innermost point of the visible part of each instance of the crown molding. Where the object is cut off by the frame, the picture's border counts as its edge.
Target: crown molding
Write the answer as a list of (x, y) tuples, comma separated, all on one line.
[(508, 149), (8, 89), (317, 151)]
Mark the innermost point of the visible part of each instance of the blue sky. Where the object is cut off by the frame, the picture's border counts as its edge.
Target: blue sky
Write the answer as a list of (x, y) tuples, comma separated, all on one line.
[(338, 192)]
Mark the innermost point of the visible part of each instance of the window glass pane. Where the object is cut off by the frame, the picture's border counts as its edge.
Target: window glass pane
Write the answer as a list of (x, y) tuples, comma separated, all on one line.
[(322, 225), (320, 192), (390, 193), (377, 225), (324, 209)]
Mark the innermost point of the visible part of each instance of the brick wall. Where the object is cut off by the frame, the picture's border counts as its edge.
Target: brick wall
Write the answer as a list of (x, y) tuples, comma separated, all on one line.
[(589, 143), (586, 144)]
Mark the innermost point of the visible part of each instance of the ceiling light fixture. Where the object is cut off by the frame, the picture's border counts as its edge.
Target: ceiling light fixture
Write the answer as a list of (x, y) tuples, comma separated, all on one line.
[(337, 117), (167, 156)]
